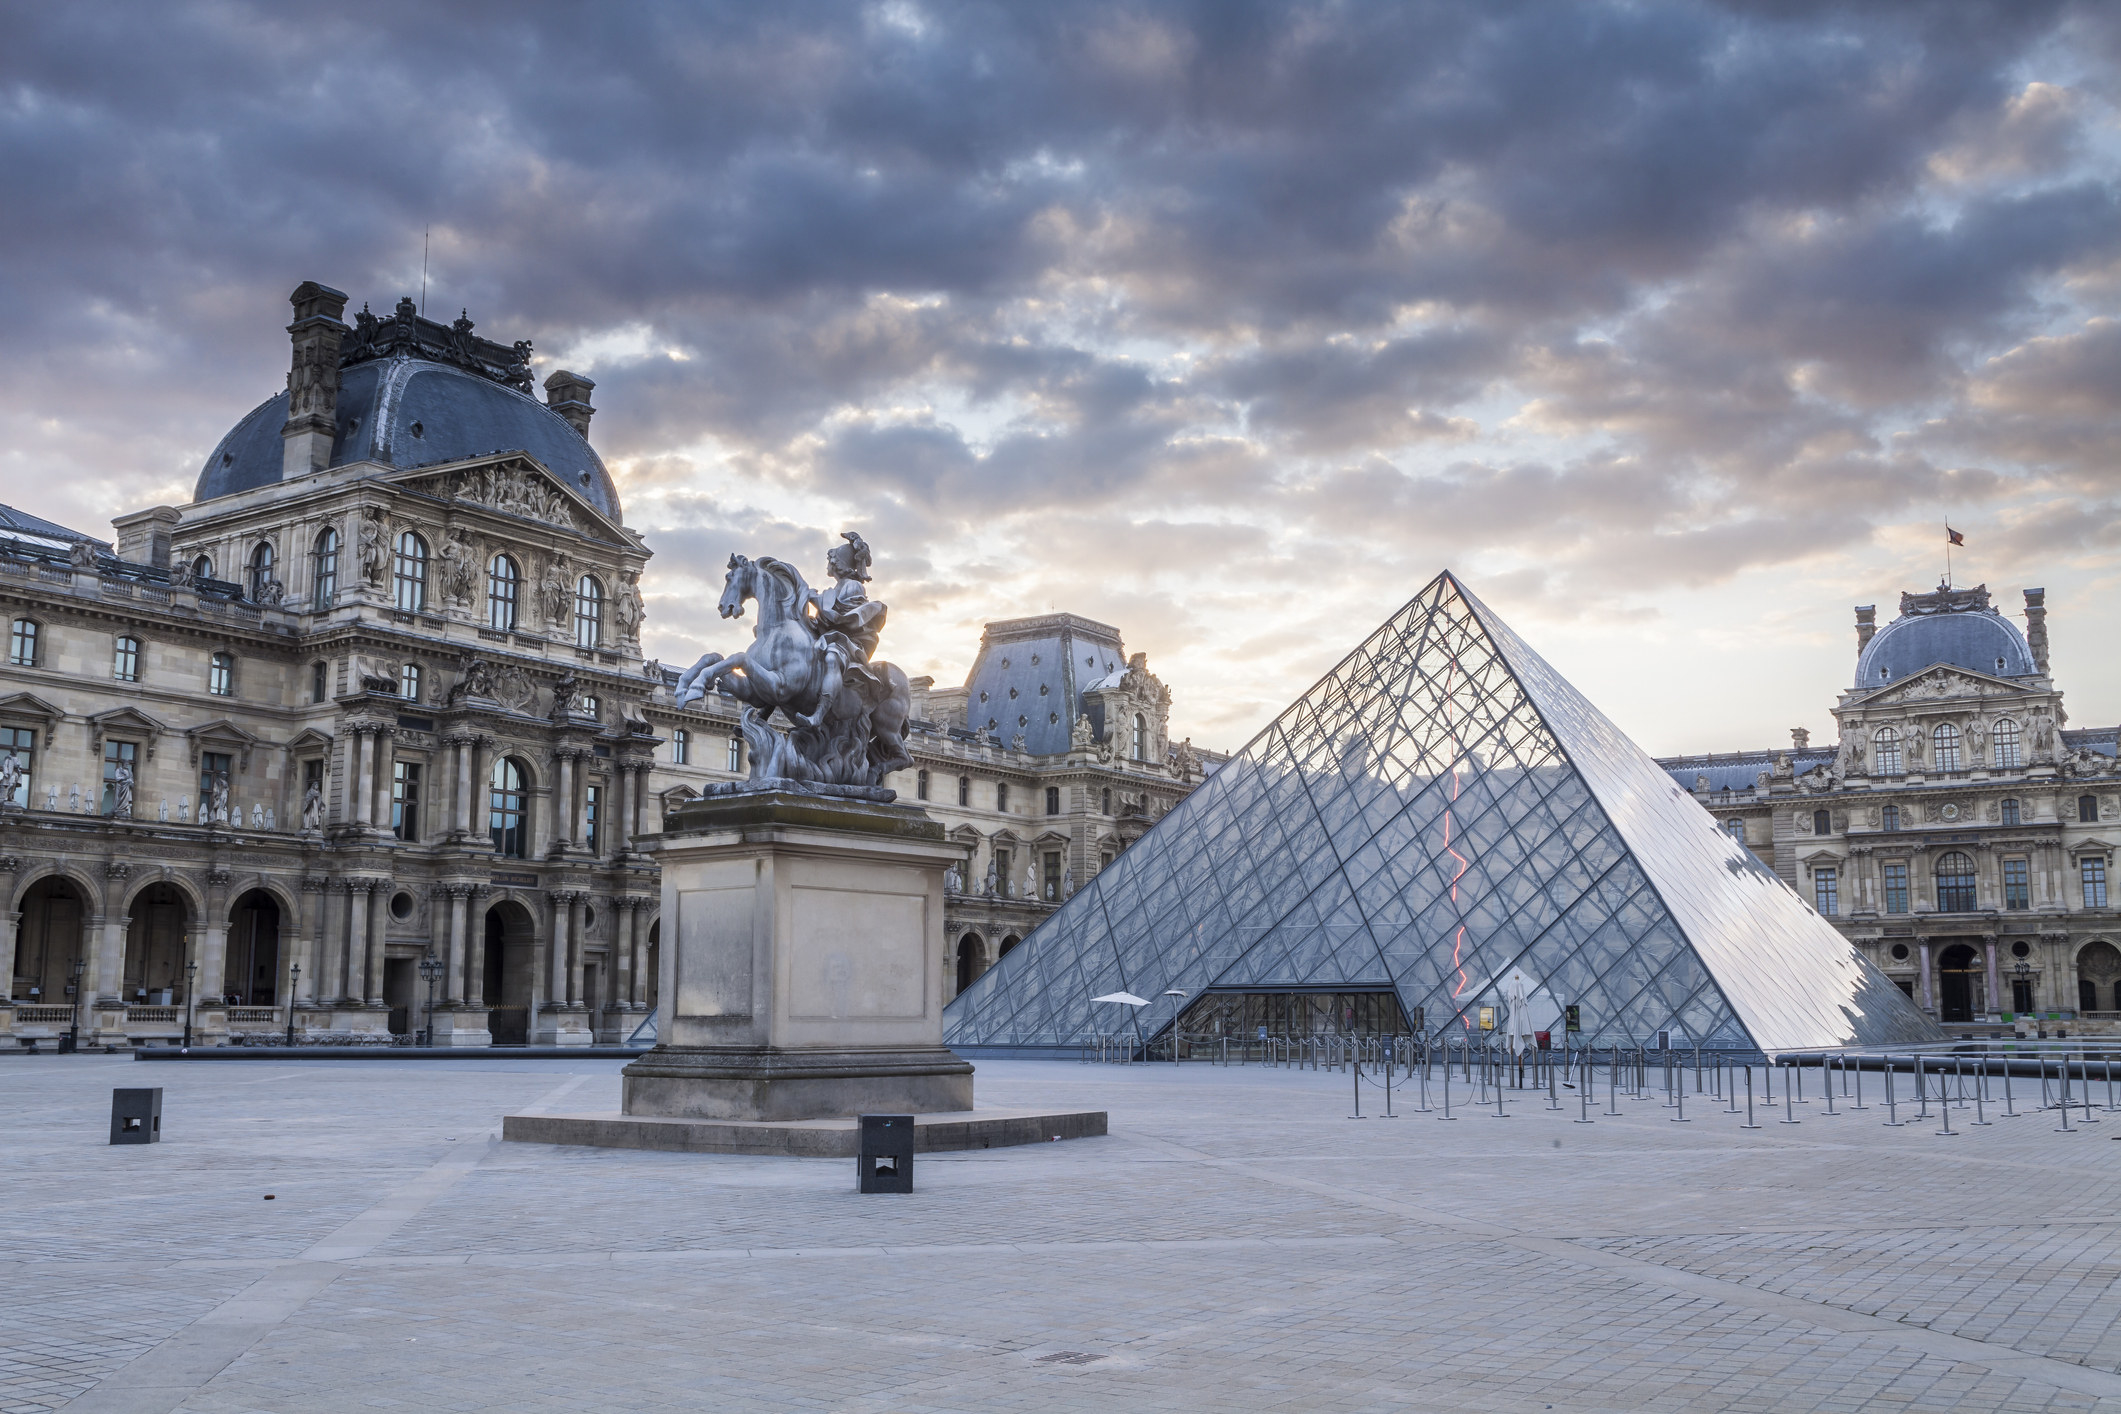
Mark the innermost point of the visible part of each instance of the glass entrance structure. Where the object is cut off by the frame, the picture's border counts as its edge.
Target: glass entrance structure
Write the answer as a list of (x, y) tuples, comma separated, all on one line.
[(1443, 816)]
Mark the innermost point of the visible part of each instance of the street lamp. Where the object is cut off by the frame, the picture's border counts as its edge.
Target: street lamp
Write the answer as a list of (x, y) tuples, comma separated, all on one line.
[(431, 967), (2022, 976), (1177, 996), (294, 978), (191, 999)]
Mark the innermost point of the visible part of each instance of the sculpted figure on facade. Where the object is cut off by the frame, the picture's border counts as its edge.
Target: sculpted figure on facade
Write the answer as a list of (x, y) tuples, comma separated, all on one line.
[(121, 792), (312, 809), (457, 568), (991, 882), (475, 681), (556, 590), (81, 555), (220, 799), (1081, 737), (372, 546), (811, 660), (10, 778), (627, 610), (953, 881)]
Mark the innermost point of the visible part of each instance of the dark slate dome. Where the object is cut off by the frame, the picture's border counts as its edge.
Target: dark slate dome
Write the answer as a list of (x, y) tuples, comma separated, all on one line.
[(1953, 627), (409, 412)]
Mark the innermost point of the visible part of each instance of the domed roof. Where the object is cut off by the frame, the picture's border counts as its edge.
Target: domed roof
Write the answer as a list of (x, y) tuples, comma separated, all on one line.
[(403, 412), (1955, 627)]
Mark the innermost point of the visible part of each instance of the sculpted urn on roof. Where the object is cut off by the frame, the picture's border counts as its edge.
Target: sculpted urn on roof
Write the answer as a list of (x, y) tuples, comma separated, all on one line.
[(810, 660)]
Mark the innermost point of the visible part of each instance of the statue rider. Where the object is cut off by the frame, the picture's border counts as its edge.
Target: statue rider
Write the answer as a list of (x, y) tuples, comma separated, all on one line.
[(848, 622)]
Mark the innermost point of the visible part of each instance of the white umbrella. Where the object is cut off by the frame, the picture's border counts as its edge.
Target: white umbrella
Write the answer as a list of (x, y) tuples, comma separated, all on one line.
[(1126, 997)]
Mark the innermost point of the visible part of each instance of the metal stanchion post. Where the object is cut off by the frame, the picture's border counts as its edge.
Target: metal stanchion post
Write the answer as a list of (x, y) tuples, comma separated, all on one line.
[(1357, 1069), (2008, 1111), (1749, 1099), (1946, 1107), (1980, 1092), (1446, 1083), (1859, 1105), (2062, 1070), (1922, 1090), (2084, 1073), (1553, 1084), (1826, 1083), (1729, 1081), (1789, 1106), (1892, 1098), (1612, 1094), (1583, 1091), (1679, 1103)]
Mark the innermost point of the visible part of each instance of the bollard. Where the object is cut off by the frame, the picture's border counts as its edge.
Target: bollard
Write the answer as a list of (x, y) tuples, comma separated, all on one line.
[(1357, 1068), (885, 1164), (1922, 1091), (1767, 1083), (1892, 1099), (1729, 1081), (1583, 1093), (2062, 1074), (1981, 1092), (136, 1116), (1553, 1084), (1498, 1099), (1946, 1107), (1859, 1105), (1679, 1103), (1826, 1083), (1789, 1106), (1749, 1099), (1446, 1085), (2084, 1073), (1612, 1092)]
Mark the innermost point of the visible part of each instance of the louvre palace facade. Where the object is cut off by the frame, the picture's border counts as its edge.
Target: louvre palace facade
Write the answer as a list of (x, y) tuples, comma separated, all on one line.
[(367, 724), (1955, 829)]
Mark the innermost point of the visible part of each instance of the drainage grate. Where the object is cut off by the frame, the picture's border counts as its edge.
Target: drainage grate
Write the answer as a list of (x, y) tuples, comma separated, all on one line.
[(1068, 1357)]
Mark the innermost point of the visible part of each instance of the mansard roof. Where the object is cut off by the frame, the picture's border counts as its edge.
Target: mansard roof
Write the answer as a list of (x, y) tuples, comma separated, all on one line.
[(1947, 626)]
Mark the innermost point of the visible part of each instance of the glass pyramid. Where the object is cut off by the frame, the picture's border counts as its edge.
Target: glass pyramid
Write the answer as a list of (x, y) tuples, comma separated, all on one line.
[(1444, 817)]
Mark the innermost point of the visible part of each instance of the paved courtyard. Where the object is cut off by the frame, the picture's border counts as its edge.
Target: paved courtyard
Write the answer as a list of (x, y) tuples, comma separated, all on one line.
[(1235, 1243)]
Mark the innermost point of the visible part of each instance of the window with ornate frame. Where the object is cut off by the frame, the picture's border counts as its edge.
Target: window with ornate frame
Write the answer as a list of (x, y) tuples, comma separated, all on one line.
[(1894, 878), (324, 569), (2009, 751), (1944, 746), (221, 675), (22, 644), (125, 658), (504, 585), (507, 808), (260, 571), (1826, 889), (680, 747), (409, 573), (409, 681), (1956, 892), (588, 612), (1885, 753)]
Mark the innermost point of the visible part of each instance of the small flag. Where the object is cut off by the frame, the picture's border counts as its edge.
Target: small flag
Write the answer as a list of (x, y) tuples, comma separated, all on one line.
[(1954, 536)]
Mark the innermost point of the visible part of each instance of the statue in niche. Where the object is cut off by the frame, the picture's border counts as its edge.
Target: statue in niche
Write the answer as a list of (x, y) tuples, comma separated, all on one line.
[(220, 798), (184, 810), (1068, 883), (121, 792), (556, 590), (457, 568), (257, 815), (10, 778), (812, 660), (953, 881), (991, 883), (270, 822), (1081, 737), (312, 809), (566, 697), (164, 815), (627, 610), (73, 796), (372, 546)]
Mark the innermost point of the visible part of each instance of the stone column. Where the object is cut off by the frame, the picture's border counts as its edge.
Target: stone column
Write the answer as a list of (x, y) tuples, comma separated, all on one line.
[(474, 946), (640, 790), (363, 784), (354, 985), (458, 983), (1929, 991), (622, 951), (460, 808), (562, 916), (105, 978), (10, 930), (310, 949), (620, 826), (575, 932), (1995, 983), (563, 798), (378, 911), (380, 810)]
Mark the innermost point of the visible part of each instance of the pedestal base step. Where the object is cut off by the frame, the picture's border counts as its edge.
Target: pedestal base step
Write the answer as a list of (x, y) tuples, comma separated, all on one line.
[(801, 1138)]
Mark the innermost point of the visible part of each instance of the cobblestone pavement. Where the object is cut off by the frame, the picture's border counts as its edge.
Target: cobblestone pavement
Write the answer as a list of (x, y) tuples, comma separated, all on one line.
[(1236, 1243)]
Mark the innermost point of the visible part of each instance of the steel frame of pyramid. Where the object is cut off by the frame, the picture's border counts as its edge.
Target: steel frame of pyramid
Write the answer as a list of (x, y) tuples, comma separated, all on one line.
[(1439, 812)]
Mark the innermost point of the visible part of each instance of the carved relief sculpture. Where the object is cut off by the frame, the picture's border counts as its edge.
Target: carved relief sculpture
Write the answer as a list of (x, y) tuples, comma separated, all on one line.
[(458, 568), (373, 547)]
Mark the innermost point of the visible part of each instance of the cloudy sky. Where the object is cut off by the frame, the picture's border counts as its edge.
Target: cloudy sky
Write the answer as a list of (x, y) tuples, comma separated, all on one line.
[(1677, 329)]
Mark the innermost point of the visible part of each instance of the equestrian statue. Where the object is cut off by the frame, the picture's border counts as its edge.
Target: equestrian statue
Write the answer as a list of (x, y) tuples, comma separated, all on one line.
[(810, 659)]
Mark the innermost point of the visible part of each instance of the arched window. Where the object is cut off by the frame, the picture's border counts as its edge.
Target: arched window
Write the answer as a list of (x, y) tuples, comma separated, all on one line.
[(324, 566), (410, 574), (2009, 751), (260, 570), (680, 747), (1944, 742), (203, 567), (736, 753), (221, 675), (1104, 801), (22, 644), (588, 612), (1822, 822), (505, 808), (964, 790), (1955, 883), (503, 585), (2010, 812), (125, 658), (1141, 737), (1885, 753), (409, 682), (1892, 817), (2087, 809)]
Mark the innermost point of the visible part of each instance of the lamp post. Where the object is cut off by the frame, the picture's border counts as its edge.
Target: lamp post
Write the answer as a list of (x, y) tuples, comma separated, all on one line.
[(431, 967), (191, 999), (1176, 996), (2022, 976), (74, 1031), (294, 978)]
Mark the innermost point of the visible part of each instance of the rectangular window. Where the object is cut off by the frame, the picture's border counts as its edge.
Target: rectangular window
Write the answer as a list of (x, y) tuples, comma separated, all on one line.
[(2087, 809), (591, 707), (920, 785), (2017, 891), (964, 790), (1001, 873), (1826, 890), (1895, 887), (680, 747), (125, 658), (409, 682), (116, 754), (1001, 795), (2010, 812), (405, 799), (215, 768), (221, 675), (1053, 800), (592, 802), (22, 644), (20, 743), (1050, 885), (736, 753), (2022, 995), (2093, 872), (319, 687)]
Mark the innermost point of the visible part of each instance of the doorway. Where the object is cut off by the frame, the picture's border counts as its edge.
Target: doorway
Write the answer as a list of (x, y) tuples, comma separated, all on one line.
[(251, 972), (509, 938), (154, 947), (398, 977), (1959, 982), (49, 942)]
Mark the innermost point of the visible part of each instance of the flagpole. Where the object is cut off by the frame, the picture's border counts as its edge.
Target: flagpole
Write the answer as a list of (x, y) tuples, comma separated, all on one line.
[(1947, 555)]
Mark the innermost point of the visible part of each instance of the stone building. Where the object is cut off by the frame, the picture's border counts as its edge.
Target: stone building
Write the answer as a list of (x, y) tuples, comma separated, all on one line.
[(1954, 828), (367, 722)]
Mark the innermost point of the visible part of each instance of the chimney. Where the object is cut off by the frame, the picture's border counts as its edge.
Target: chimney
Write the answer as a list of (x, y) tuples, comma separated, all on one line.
[(1801, 738), (312, 380), (143, 536), (2036, 626), (568, 395), (1866, 625)]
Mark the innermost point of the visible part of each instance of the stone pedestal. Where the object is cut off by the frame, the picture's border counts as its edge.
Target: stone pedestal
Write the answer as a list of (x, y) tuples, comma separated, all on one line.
[(802, 964), (461, 1026), (562, 1026)]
